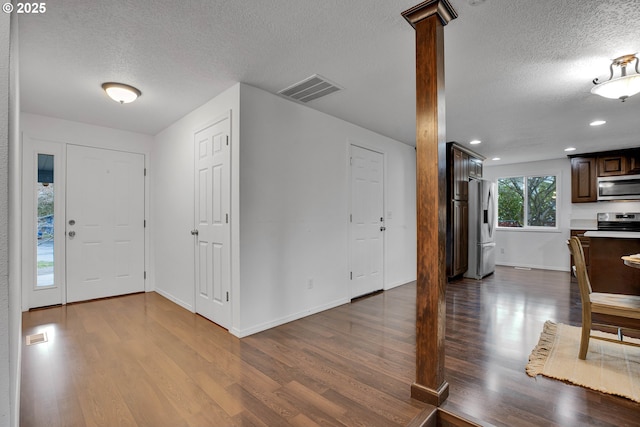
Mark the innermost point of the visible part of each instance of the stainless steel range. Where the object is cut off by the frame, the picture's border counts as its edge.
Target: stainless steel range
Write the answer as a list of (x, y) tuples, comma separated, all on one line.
[(618, 221)]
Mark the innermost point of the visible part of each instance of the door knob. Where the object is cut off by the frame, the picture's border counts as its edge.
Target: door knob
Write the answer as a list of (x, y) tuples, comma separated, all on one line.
[(72, 234), (194, 232), (383, 228)]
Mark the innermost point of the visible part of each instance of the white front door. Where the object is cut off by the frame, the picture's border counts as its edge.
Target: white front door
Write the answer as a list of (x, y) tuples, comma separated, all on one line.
[(104, 223), (212, 209), (367, 221)]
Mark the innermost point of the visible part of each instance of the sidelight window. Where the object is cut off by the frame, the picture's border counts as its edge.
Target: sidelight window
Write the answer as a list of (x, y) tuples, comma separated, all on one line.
[(45, 217)]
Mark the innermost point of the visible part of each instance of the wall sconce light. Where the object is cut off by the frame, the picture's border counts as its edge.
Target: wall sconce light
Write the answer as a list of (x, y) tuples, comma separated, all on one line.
[(623, 86), (121, 92)]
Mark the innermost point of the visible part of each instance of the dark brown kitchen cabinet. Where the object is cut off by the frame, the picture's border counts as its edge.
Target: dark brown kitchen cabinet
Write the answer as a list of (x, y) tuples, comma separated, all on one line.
[(475, 168), (613, 165), (460, 175), (607, 271), (586, 246), (583, 180), (460, 209), (462, 164)]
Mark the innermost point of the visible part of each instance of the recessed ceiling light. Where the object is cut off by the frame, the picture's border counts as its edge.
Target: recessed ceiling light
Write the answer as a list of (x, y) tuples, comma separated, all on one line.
[(121, 92), (597, 123), (570, 149), (475, 142), (496, 158)]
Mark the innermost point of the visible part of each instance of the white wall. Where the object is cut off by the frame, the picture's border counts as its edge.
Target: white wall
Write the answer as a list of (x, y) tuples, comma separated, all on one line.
[(6, 351), (51, 129), (172, 200), (536, 249), (294, 207), (10, 319), (15, 218), (290, 196)]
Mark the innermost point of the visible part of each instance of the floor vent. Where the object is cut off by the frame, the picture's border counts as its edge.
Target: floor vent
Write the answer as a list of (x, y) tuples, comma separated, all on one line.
[(37, 338), (309, 89)]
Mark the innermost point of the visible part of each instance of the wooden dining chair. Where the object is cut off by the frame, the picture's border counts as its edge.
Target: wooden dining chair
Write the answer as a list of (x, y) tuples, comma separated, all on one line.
[(624, 307)]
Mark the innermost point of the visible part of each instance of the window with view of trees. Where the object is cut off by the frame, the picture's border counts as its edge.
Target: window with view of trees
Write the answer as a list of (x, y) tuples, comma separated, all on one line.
[(527, 201)]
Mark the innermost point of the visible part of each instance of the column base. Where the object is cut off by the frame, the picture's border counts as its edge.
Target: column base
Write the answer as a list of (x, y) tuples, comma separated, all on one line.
[(429, 395)]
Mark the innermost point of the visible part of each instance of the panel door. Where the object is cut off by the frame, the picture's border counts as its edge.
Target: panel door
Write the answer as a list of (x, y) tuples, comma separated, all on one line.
[(367, 221), (104, 223), (212, 208)]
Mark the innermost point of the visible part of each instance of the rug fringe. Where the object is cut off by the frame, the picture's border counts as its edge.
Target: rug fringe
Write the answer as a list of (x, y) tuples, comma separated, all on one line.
[(540, 353)]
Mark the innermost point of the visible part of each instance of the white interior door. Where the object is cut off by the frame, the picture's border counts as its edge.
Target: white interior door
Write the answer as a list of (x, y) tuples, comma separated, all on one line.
[(104, 223), (212, 208), (367, 221)]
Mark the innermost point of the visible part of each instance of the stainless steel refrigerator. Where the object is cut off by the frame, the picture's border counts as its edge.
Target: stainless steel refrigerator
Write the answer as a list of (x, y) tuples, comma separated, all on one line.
[(483, 213)]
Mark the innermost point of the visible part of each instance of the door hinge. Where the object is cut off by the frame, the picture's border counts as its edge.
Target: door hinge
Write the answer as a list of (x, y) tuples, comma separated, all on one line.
[(145, 275), (350, 217), (351, 275), (227, 218), (351, 160), (227, 139), (227, 296), (145, 171), (144, 223)]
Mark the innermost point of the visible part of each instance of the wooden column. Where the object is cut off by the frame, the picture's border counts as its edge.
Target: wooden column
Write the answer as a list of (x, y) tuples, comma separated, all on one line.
[(428, 19)]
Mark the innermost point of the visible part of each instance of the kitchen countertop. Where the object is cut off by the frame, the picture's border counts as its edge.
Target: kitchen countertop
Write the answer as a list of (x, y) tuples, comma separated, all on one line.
[(613, 234)]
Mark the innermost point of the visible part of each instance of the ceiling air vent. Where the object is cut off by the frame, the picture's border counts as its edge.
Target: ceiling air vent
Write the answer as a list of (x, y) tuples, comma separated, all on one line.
[(309, 89)]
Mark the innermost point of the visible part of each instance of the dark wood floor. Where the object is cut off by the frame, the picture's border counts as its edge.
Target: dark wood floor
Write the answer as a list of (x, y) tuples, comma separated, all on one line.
[(140, 360)]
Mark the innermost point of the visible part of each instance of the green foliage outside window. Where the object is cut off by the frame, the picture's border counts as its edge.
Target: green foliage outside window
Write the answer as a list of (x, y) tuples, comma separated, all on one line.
[(532, 198)]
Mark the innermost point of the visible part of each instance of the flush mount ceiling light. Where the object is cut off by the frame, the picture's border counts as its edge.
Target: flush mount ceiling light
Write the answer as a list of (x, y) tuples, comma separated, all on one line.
[(597, 123), (622, 87), (121, 92), (570, 149), (475, 142)]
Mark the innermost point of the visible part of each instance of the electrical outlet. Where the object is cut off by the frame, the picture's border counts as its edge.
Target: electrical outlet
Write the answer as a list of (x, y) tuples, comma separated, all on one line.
[(310, 284)]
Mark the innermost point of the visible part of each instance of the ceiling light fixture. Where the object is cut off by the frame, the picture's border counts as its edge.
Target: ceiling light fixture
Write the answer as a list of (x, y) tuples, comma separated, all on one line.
[(622, 87), (475, 142), (496, 158), (121, 92), (570, 149), (597, 123)]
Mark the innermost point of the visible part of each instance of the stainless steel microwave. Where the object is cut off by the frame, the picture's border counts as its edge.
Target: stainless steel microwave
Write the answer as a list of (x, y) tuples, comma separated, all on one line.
[(625, 187)]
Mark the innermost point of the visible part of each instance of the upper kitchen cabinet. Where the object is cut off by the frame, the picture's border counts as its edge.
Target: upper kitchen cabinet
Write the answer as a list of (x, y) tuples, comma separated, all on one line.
[(475, 168), (583, 180), (460, 175), (612, 165), (586, 168)]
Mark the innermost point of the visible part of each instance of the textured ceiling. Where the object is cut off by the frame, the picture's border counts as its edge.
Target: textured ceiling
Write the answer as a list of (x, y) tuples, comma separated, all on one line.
[(518, 72)]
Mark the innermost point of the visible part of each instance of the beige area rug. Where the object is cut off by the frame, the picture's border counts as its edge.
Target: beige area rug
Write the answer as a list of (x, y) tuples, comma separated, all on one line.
[(610, 368)]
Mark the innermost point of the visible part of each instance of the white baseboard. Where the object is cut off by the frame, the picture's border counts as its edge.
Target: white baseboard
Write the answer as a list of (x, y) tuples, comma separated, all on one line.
[(537, 267), (400, 283), (178, 301), (241, 333)]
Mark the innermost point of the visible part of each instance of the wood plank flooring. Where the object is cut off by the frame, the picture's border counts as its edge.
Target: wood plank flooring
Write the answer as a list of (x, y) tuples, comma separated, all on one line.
[(141, 360)]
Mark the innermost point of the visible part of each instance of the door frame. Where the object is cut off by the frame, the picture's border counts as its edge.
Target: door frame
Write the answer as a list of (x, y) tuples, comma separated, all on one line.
[(351, 143), (28, 257), (225, 116)]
